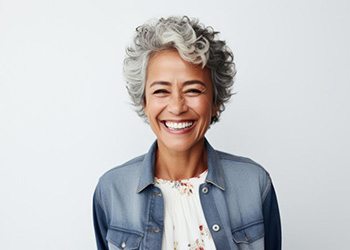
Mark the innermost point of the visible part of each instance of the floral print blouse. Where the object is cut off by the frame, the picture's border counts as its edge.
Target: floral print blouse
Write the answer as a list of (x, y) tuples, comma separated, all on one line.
[(185, 227)]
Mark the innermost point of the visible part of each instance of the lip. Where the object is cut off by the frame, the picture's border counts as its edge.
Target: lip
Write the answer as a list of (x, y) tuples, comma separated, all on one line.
[(182, 131)]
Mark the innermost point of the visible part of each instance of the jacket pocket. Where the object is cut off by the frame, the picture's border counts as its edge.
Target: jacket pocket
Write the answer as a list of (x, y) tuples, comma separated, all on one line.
[(248, 233), (119, 238)]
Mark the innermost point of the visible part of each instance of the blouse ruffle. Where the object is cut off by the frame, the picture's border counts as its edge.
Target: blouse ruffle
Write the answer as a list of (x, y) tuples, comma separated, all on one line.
[(185, 227)]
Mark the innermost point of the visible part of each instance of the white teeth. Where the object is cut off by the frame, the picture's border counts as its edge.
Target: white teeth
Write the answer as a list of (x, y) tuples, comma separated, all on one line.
[(178, 125)]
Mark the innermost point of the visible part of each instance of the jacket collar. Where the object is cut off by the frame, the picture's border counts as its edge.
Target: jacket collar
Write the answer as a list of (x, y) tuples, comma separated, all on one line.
[(215, 171)]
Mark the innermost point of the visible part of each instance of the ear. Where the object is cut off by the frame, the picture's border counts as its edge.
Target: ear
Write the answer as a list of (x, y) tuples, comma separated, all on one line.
[(214, 114), (144, 102), (214, 110)]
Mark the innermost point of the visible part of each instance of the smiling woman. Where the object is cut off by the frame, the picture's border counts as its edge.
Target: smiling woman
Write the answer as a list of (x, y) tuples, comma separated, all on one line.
[(179, 107), (183, 194)]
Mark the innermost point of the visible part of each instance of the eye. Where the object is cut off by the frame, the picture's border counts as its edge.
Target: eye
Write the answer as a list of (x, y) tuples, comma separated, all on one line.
[(160, 92), (193, 92)]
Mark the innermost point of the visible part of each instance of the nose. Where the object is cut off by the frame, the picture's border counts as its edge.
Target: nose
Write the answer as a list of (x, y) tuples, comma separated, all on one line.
[(177, 104)]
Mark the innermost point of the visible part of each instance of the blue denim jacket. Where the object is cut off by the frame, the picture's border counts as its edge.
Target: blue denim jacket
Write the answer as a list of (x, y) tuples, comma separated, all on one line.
[(238, 200)]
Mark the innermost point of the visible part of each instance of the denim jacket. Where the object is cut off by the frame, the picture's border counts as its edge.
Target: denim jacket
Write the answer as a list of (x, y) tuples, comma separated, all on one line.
[(238, 201)]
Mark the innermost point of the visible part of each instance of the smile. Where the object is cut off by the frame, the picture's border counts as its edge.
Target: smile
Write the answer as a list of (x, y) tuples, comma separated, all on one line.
[(178, 125)]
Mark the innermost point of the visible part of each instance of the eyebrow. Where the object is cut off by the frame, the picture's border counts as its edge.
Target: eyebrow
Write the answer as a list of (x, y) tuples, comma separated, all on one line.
[(185, 83)]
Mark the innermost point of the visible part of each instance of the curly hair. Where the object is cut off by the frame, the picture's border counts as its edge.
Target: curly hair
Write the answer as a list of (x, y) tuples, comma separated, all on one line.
[(194, 42)]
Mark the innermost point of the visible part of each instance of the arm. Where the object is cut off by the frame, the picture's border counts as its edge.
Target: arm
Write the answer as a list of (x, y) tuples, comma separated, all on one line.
[(272, 223), (100, 224)]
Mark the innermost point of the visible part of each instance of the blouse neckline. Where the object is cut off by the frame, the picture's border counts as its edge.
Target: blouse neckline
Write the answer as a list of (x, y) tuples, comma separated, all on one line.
[(182, 180)]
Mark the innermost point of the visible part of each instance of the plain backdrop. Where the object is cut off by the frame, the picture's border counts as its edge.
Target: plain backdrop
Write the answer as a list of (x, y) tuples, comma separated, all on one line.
[(66, 118)]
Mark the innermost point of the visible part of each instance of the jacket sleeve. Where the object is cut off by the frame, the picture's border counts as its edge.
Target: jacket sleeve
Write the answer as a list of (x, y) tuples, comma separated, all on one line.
[(100, 223), (272, 223)]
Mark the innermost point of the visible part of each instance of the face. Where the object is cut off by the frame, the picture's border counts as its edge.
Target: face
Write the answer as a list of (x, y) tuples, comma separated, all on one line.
[(178, 101)]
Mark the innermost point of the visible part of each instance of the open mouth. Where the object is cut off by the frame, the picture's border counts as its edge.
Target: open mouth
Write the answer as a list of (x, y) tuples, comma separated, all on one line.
[(178, 125)]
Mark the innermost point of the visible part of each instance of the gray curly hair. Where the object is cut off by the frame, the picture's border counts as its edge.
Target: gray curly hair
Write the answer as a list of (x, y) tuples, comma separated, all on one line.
[(194, 42)]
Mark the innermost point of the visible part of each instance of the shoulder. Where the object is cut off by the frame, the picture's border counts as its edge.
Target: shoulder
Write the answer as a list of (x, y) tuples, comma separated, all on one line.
[(244, 172), (240, 163), (122, 173)]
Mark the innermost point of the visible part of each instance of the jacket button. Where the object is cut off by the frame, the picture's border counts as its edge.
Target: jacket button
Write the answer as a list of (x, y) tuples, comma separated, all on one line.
[(153, 229), (205, 190), (157, 194), (123, 245), (215, 227)]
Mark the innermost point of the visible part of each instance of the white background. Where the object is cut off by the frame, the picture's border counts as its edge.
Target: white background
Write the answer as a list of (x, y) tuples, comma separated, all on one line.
[(65, 117)]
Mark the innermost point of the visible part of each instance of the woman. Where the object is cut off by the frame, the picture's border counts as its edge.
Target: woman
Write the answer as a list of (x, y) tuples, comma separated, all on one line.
[(183, 194)]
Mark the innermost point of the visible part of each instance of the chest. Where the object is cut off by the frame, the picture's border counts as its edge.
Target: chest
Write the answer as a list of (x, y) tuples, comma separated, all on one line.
[(233, 222)]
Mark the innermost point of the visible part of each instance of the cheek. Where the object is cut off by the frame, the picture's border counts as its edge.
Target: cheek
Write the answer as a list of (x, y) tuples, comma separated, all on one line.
[(202, 107), (153, 108)]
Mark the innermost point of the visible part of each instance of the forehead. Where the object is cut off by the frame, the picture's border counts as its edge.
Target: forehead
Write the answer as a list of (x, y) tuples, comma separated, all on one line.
[(167, 65)]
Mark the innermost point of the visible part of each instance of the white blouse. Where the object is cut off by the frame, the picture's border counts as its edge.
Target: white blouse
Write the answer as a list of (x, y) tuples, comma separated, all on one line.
[(185, 227)]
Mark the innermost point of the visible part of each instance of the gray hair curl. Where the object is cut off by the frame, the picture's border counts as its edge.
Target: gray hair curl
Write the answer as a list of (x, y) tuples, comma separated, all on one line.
[(194, 42)]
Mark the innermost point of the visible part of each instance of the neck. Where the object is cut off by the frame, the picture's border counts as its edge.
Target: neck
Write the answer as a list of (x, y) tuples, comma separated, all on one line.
[(177, 165)]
